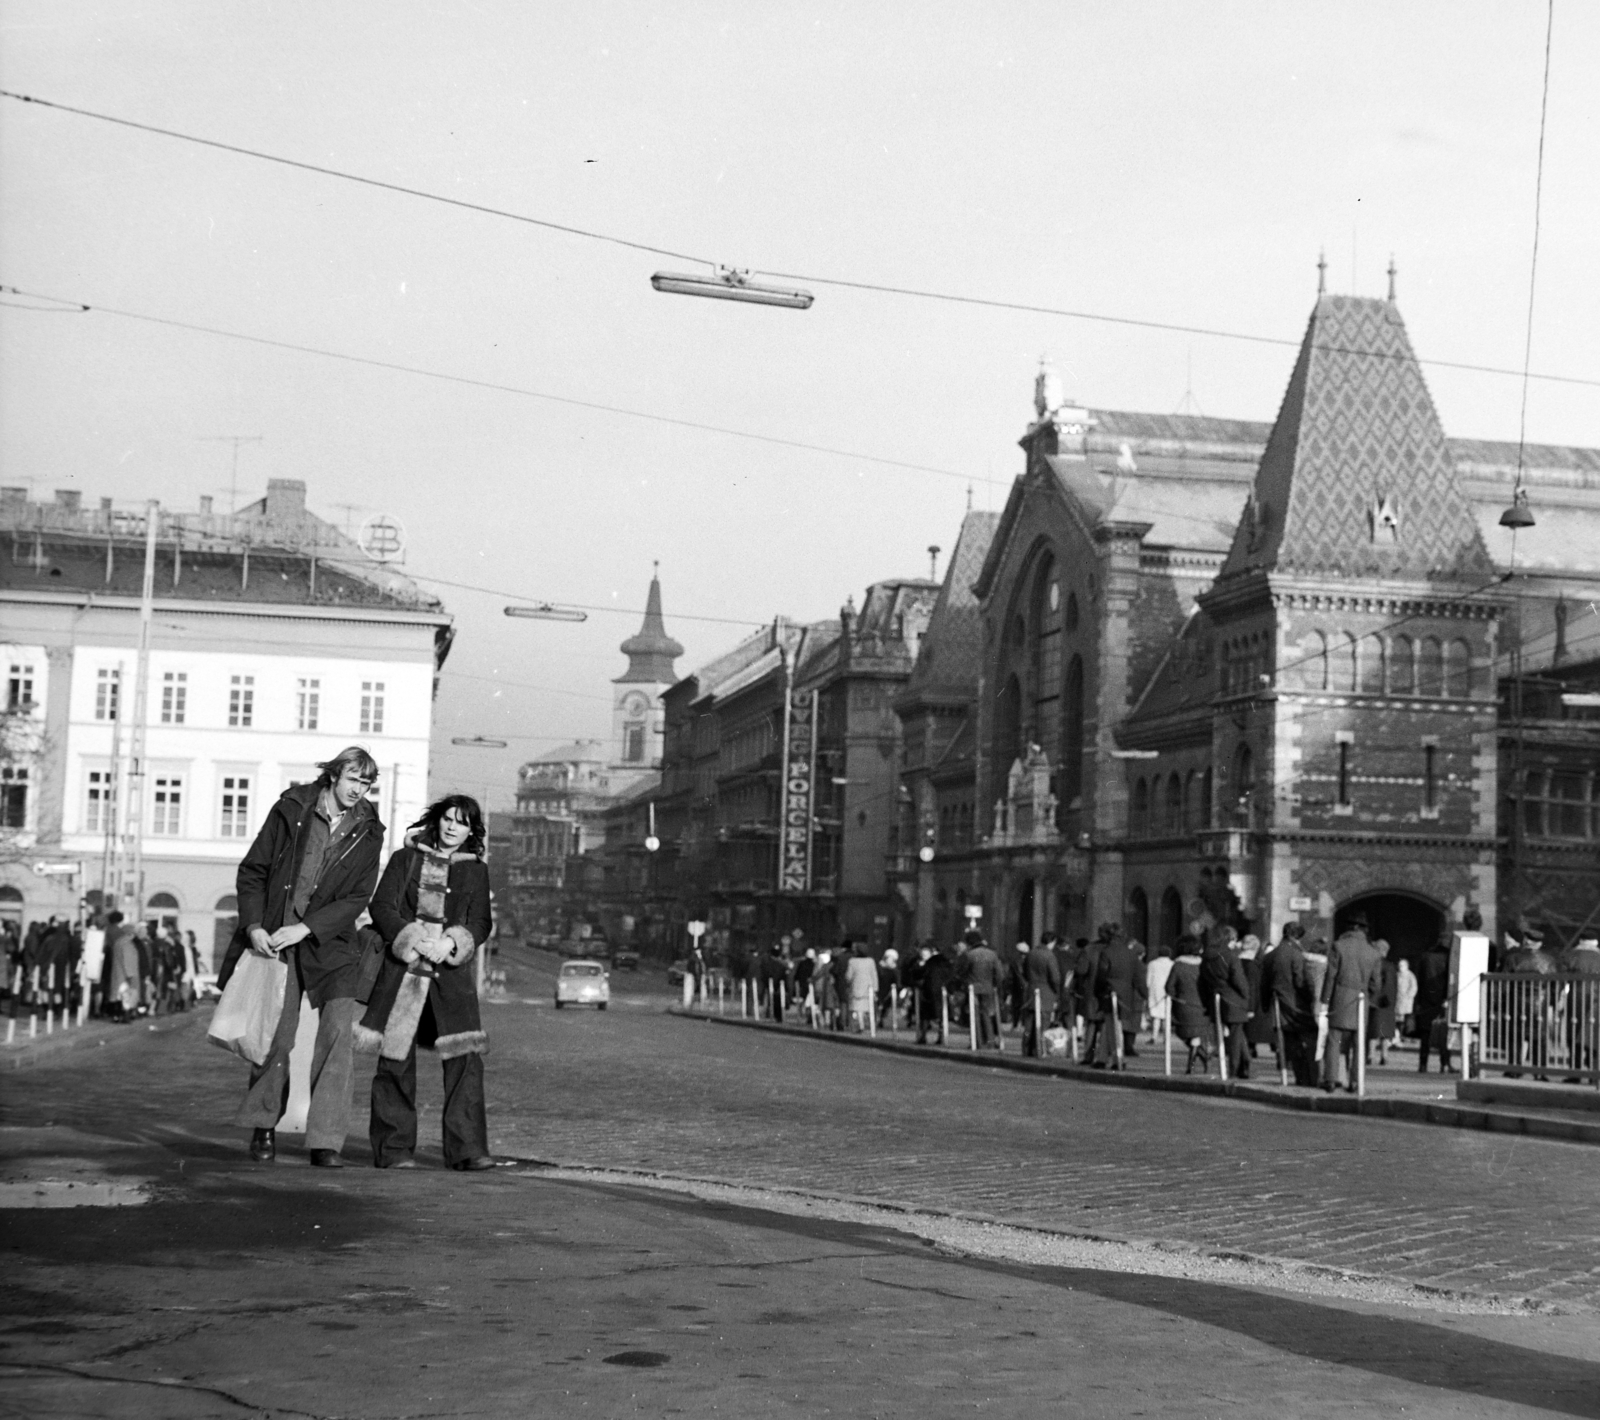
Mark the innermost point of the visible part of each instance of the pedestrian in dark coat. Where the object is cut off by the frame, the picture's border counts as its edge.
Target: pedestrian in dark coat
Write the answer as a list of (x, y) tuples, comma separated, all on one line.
[(1354, 969), (432, 911), (1041, 979), (1433, 995), (938, 974), (774, 975), (1287, 997), (301, 886), (982, 971), (1190, 1022), (1118, 979), (1258, 1029), (1223, 982), (1381, 1011)]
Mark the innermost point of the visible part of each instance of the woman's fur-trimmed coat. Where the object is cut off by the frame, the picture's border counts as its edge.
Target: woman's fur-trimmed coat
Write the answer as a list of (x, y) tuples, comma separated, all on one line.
[(450, 1020)]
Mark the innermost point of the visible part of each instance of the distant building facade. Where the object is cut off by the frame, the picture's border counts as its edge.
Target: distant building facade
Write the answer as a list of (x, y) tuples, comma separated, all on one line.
[(1255, 673), (275, 643)]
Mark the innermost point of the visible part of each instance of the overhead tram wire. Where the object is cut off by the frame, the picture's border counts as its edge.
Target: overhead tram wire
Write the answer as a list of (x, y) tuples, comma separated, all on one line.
[(841, 283), (498, 388)]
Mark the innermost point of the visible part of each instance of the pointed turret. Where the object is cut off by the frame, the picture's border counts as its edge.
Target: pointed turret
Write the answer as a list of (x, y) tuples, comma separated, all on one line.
[(651, 652), (1356, 478)]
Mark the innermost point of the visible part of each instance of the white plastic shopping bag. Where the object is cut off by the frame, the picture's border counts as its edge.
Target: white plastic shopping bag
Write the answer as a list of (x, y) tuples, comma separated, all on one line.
[(246, 1017)]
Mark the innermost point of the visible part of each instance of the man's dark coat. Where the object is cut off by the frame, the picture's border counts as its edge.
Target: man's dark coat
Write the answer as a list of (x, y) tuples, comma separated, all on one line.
[(330, 957)]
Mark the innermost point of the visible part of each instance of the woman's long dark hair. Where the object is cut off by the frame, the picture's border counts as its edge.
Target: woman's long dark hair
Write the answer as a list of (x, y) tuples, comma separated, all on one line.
[(428, 825)]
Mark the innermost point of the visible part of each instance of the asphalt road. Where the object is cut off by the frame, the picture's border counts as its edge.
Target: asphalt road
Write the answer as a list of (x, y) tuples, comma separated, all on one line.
[(1160, 1255)]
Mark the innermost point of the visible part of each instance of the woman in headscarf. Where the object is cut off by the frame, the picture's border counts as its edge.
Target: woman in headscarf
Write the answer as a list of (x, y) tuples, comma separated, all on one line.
[(432, 910)]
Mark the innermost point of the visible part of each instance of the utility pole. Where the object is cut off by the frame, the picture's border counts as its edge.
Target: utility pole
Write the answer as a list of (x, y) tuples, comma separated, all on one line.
[(131, 878)]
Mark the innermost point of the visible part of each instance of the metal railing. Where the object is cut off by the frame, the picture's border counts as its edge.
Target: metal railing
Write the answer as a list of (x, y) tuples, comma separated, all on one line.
[(1544, 1026)]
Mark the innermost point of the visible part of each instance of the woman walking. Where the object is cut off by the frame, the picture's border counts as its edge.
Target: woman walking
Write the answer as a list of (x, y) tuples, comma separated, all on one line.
[(432, 910), (1190, 1023)]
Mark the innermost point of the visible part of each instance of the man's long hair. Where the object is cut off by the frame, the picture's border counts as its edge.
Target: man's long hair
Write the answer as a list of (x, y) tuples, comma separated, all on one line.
[(350, 754), (427, 827)]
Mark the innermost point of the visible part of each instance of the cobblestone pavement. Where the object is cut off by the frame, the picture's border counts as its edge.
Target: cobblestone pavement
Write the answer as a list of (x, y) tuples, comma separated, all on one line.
[(1440, 1207)]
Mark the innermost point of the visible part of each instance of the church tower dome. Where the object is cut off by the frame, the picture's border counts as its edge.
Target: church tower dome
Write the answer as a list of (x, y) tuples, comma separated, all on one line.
[(651, 652), (637, 717)]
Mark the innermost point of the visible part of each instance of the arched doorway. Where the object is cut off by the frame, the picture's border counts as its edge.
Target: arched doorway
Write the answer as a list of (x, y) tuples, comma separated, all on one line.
[(1409, 922), (11, 905), (1025, 896), (1138, 919)]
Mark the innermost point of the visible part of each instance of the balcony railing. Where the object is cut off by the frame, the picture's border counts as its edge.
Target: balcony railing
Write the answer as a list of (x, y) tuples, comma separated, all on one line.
[(1541, 1025)]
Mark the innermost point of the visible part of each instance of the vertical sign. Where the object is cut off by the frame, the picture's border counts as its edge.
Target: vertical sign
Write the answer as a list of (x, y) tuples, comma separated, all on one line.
[(799, 791)]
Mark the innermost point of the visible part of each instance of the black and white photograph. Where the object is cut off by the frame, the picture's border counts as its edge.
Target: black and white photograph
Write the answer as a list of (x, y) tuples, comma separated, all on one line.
[(904, 700)]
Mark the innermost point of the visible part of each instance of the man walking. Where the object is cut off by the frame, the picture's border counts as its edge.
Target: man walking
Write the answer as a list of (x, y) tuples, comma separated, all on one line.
[(981, 970), (305, 880), (1287, 998), (1354, 969), (1041, 978)]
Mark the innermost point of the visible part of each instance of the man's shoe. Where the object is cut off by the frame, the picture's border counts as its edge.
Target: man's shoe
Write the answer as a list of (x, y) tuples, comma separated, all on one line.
[(263, 1146), (474, 1165), (326, 1159)]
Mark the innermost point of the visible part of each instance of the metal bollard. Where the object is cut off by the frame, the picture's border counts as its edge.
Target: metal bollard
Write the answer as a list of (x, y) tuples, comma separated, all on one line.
[(1168, 1034), (688, 990), (1361, 1044), (944, 1016), (1222, 1046), (872, 1014), (1116, 1033), (1038, 1024), (972, 1018), (1283, 1053)]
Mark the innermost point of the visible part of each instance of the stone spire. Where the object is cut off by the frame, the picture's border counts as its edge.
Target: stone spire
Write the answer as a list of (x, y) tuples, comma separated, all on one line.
[(651, 653), (1356, 478)]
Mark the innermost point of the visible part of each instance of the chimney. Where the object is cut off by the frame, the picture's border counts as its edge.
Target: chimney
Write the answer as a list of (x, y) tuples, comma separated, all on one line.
[(13, 499), (286, 499), (69, 499), (105, 505), (205, 504)]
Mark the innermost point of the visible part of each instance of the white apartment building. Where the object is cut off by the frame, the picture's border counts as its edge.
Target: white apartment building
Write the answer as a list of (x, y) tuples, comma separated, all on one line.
[(274, 644)]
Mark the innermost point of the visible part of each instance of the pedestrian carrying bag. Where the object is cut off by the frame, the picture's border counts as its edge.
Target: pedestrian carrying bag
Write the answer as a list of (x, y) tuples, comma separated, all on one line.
[(246, 1017)]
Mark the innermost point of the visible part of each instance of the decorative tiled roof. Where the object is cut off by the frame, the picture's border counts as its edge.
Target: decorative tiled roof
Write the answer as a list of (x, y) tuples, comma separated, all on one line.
[(1357, 477), (951, 654)]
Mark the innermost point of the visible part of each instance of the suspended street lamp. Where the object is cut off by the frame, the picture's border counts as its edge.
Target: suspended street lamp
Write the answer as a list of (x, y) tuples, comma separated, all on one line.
[(545, 611), (729, 284), (1519, 514)]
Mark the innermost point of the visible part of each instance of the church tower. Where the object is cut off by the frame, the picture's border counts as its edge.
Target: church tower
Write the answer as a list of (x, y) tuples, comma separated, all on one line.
[(636, 712)]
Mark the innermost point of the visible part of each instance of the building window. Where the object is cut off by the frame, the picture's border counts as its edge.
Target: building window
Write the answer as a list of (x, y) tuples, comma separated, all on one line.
[(1430, 667), (1430, 781), (1141, 809), (1046, 660), (235, 821), (174, 697), (107, 693), (1402, 666), (371, 707), (1072, 736), (633, 743), (1174, 823), (307, 703), (166, 806), (99, 802), (1244, 784), (1568, 813), (14, 796), (1344, 774), (19, 688), (241, 701)]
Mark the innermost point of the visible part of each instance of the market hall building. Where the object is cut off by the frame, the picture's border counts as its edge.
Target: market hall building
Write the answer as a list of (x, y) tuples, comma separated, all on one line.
[(1257, 673)]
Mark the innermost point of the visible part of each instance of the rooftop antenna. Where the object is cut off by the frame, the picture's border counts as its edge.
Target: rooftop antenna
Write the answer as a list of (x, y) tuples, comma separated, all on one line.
[(1392, 273), (1189, 404), (233, 477), (933, 562), (969, 496), (1322, 272)]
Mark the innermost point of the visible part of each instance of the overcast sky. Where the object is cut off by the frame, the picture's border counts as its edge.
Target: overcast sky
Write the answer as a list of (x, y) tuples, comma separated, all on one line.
[(1171, 162)]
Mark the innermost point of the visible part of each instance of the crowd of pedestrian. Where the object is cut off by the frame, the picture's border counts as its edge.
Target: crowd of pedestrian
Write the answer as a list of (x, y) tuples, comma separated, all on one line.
[(100, 966), (1301, 1005)]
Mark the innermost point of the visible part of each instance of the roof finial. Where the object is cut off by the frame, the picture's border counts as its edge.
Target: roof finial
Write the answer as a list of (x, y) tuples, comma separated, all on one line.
[(1391, 278), (1322, 273), (969, 497), (655, 567)]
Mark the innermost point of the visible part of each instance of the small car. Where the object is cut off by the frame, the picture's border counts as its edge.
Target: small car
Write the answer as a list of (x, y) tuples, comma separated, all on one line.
[(583, 983), (624, 959)]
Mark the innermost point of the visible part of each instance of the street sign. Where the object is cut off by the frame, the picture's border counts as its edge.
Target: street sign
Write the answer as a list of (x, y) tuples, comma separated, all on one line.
[(973, 911), (1299, 904), (382, 538), (697, 930), (44, 869)]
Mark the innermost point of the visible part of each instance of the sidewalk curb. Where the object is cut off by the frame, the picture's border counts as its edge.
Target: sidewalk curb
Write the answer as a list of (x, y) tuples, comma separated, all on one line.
[(1457, 1116), (91, 1035)]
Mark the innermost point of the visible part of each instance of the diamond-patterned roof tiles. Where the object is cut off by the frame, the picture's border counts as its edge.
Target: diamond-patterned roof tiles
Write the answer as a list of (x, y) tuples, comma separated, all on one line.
[(951, 654), (1357, 477)]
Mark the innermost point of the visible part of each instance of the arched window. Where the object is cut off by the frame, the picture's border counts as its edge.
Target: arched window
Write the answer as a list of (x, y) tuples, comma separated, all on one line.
[(1174, 819), (1533, 803), (1072, 736), (1046, 659), (1244, 777), (1458, 670), (1205, 797), (162, 902), (1402, 666), (1430, 667), (1372, 664), (1226, 670), (1138, 925), (1342, 658), (1171, 916), (1191, 803), (1007, 728), (1072, 611), (1314, 663), (1141, 809)]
